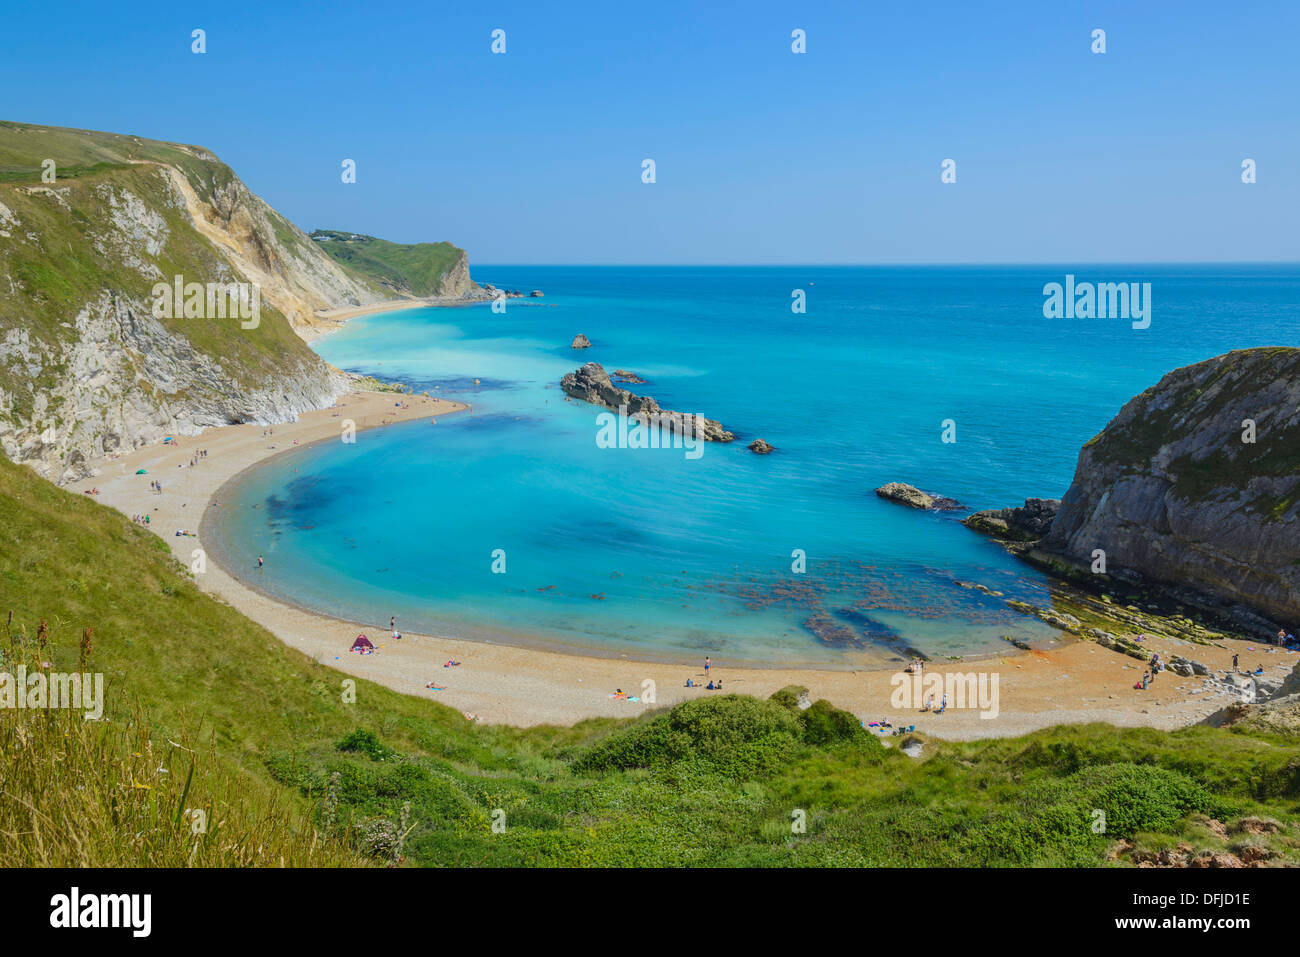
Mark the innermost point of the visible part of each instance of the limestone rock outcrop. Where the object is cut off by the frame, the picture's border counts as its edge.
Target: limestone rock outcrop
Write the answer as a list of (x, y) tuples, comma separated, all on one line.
[(591, 383)]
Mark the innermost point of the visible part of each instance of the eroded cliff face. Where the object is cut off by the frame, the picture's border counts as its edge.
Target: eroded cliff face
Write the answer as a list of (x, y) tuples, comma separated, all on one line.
[(456, 283), (293, 274), (86, 365), (1197, 483)]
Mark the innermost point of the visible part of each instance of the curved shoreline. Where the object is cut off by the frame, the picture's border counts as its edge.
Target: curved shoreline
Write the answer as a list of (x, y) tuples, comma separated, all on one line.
[(505, 683), (217, 553)]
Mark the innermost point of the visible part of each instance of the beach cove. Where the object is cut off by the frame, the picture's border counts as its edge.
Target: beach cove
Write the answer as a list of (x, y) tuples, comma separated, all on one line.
[(501, 683)]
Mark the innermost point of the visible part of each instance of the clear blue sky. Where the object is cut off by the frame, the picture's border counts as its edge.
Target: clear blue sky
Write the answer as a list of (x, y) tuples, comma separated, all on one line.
[(763, 156)]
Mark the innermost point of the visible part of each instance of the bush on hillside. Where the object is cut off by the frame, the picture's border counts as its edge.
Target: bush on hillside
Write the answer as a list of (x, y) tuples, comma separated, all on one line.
[(737, 735), (366, 743), (823, 723)]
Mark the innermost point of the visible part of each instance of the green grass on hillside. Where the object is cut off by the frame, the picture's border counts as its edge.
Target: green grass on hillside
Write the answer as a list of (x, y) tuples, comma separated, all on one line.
[(416, 270), (297, 775)]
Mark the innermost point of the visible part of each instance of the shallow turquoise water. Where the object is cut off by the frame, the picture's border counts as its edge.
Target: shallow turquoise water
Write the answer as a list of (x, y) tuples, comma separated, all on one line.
[(649, 552)]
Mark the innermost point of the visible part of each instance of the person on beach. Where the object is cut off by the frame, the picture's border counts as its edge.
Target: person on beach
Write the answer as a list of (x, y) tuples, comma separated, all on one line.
[(1234, 662), (259, 562), (706, 665), (944, 705)]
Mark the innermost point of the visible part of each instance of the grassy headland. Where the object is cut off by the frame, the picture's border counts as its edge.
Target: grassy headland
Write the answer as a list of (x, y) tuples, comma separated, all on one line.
[(419, 270)]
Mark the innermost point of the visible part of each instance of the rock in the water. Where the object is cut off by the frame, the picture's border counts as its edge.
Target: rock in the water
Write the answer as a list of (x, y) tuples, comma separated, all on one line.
[(913, 497), (760, 446), (580, 342), (1197, 482), (622, 375), (1026, 523), (537, 294), (591, 383)]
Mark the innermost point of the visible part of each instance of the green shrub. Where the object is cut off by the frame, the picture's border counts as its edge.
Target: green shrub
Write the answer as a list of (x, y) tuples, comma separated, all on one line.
[(735, 735), (366, 743), (824, 723)]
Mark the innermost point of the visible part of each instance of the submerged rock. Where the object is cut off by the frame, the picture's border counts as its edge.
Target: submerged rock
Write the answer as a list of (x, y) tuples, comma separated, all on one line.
[(832, 632)]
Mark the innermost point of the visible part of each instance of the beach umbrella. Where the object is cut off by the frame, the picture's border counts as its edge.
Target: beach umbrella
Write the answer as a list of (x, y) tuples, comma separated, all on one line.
[(141, 472)]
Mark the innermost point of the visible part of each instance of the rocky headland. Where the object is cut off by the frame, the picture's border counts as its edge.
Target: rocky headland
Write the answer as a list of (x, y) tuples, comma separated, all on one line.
[(1190, 496)]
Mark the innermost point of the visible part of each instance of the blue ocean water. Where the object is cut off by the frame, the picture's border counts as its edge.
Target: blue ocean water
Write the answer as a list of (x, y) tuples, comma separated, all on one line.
[(650, 553)]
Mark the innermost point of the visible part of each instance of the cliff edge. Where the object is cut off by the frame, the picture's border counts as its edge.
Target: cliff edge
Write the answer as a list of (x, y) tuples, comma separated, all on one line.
[(1196, 483)]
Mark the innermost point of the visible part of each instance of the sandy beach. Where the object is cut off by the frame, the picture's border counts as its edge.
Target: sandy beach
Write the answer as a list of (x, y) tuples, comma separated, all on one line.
[(331, 320), (1076, 682)]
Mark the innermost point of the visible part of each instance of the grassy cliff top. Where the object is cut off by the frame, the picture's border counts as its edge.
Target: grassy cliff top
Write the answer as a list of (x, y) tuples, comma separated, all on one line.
[(407, 270)]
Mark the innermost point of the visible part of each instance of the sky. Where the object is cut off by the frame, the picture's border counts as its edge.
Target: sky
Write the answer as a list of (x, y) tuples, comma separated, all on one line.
[(762, 155)]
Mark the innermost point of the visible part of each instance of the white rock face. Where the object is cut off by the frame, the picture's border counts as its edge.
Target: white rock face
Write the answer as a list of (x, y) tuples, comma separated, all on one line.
[(84, 373), (129, 382)]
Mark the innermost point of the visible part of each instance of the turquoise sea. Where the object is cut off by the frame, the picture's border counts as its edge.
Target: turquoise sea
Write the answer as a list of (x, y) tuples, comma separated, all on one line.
[(649, 553)]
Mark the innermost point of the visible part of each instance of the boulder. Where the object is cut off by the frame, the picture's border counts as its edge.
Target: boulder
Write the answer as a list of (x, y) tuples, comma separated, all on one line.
[(580, 342), (913, 497), (760, 446)]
